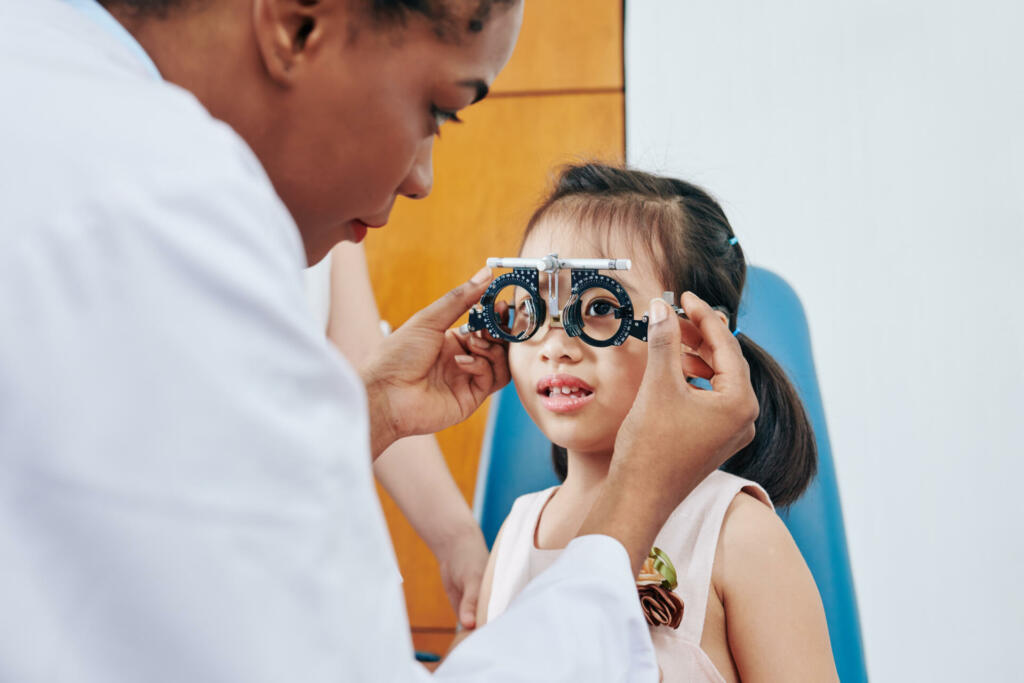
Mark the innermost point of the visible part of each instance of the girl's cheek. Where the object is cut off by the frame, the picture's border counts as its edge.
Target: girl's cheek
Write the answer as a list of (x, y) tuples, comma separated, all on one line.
[(516, 361)]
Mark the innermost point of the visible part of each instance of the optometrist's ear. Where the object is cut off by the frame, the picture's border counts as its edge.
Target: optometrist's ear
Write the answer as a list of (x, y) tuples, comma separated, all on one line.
[(289, 33)]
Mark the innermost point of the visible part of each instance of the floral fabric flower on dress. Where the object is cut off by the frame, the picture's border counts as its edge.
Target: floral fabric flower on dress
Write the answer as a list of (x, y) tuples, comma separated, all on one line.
[(656, 584)]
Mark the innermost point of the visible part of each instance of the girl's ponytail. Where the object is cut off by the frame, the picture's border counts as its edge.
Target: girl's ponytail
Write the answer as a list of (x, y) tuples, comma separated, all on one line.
[(783, 455)]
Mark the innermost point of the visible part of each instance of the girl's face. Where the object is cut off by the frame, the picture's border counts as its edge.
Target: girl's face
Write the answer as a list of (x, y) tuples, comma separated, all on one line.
[(603, 381)]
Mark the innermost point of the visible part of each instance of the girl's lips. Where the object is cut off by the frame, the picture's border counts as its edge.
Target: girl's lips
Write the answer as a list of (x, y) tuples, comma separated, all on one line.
[(564, 393)]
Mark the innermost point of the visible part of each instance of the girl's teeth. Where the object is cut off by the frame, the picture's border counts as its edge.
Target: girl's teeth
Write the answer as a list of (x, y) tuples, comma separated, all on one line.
[(565, 391)]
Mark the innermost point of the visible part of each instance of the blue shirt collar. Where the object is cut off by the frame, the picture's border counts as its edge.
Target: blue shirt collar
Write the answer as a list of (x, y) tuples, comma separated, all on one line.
[(106, 21)]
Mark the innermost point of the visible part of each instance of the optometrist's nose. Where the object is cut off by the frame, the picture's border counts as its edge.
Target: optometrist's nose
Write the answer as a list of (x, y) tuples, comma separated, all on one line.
[(420, 180)]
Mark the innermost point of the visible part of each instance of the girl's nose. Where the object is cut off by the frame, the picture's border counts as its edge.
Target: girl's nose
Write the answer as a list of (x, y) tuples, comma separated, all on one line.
[(557, 346), (420, 180)]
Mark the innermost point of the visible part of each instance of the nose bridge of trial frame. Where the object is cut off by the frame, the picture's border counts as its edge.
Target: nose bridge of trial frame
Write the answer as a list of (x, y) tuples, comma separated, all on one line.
[(551, 265)]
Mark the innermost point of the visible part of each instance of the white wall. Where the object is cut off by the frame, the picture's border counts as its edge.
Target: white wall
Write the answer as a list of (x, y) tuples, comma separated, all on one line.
[(871, 152)]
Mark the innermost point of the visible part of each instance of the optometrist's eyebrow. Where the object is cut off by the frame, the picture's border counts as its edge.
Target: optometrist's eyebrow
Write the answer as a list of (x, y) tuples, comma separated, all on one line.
[(481, 88)]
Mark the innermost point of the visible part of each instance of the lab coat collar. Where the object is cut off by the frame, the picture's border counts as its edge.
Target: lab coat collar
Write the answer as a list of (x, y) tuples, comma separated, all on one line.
[(106, 21)]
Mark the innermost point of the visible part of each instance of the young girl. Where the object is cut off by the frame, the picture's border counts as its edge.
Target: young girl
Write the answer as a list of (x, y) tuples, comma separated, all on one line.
[(727, 592)]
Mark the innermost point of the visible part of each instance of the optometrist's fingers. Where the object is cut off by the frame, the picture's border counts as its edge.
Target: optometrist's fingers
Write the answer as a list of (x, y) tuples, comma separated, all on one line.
[(486, 377), (495, 353), (664, 353), (719, 348), (690, 334), (443, 313), (478, 343), (694, 366)]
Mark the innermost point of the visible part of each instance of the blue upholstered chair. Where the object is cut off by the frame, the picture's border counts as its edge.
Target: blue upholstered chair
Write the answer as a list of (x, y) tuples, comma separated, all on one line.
[(516, 460)]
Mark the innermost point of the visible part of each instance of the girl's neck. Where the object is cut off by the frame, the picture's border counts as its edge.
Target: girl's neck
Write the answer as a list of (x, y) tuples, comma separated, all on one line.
[(586, 472), (562, 517)]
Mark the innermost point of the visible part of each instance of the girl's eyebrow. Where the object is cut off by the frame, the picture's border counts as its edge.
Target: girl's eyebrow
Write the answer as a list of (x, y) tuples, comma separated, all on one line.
[(625, 281), (481, 88)]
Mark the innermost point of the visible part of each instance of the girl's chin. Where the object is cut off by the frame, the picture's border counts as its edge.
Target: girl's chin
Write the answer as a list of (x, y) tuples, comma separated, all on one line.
[(579, 441)]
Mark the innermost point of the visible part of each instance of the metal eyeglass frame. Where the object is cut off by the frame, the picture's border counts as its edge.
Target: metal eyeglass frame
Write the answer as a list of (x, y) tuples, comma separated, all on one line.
[(583, 276)]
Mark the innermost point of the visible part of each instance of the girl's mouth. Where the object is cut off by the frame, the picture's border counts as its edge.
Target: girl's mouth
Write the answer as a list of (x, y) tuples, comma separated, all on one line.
[(564, 393)]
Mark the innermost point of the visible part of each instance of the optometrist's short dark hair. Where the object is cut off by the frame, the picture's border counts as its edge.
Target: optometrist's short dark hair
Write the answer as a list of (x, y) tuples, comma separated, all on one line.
[(438, 12)]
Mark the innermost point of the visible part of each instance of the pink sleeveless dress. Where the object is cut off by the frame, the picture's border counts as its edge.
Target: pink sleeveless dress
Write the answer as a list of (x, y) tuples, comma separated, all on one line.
[(689, 538)]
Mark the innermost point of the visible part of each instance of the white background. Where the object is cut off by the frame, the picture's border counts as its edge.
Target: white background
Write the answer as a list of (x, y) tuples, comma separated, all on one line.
[(872, 153)]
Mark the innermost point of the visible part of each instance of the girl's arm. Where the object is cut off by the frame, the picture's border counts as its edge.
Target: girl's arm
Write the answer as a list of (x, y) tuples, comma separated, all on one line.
[(413, 470), (774, 617), (485, 585), (485, 595)]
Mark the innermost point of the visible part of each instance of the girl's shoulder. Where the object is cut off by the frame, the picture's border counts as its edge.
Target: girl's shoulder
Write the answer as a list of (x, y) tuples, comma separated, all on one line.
[(521, 521), (690, 539), (769, 599), (528, 499), (753, 542), (710, 500), (747, 519)]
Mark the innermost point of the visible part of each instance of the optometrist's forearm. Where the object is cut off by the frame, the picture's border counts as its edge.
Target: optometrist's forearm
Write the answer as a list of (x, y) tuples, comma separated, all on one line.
[(631, 510), (675, 434)]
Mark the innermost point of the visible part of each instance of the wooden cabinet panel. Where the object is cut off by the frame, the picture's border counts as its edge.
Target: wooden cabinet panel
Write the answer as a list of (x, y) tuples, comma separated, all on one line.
[(566, 45)]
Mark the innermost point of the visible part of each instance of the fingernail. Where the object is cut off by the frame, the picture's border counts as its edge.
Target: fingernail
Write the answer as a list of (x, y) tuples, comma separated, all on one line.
[(482, 276), (659, 311), (479, 343), (463, 360)]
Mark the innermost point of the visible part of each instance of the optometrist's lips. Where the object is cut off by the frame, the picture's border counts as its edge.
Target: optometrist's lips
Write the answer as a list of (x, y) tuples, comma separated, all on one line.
[(564, 393), (359, 229)]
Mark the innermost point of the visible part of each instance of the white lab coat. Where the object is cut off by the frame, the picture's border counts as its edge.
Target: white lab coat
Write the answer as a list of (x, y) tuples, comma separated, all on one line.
[(185, 485)]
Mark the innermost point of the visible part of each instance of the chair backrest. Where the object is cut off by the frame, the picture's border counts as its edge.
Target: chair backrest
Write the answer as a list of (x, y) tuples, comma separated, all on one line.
[(516, 460)]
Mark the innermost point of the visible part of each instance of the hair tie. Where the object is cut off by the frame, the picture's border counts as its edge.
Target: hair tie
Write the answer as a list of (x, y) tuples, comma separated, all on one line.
[(736, 332), (734, 241)]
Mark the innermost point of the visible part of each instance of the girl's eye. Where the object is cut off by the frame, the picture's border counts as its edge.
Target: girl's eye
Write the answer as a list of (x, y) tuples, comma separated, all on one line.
[(600, 308), (442, 116)]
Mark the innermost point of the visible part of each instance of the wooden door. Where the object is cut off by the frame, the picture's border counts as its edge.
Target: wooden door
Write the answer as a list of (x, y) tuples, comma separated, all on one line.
[(560, 99)]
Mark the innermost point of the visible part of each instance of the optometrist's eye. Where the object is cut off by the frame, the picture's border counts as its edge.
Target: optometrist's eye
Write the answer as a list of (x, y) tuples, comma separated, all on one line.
[(441, 117)]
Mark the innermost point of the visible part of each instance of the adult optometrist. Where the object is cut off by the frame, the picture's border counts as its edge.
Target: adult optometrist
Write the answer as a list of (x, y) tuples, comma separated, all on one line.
[(185, 486)]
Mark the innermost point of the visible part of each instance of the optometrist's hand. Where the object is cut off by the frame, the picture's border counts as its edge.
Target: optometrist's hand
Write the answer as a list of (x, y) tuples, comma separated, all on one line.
[(425, 377), (675, 434)]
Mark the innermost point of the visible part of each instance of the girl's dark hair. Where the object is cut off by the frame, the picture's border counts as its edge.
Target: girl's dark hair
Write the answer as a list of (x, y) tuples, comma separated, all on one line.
[(685, 231)]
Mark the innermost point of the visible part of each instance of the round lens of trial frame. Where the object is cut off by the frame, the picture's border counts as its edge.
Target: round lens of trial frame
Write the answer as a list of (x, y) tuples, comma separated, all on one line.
[(515, 312), (600, 313)]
